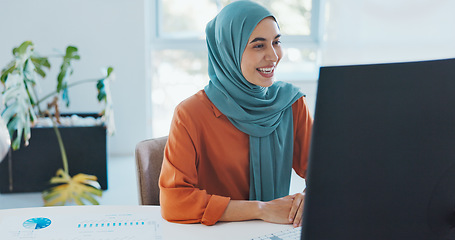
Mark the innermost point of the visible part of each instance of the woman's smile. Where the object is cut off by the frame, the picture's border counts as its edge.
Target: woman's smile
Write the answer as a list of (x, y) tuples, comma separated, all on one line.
[(266, 72)]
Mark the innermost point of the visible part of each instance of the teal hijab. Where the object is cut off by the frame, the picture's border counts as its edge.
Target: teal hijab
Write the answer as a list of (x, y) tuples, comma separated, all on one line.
[(264, 113)]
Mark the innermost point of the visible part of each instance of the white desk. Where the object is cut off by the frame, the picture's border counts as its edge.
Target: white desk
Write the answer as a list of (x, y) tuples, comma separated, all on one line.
[(68, 222)]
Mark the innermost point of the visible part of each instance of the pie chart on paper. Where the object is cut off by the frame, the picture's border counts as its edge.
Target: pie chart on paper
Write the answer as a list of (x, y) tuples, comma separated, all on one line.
[(37, 223)]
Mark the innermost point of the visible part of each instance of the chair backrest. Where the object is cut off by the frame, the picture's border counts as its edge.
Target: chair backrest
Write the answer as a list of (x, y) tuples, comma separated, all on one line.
[(149, 157)]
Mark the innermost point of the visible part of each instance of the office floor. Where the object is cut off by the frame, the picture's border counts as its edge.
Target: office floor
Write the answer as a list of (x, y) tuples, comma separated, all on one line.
[(122, 187)]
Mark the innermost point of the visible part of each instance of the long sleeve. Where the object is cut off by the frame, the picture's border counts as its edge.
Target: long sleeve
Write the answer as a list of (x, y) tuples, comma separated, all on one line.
[(181, 199), (302, 136)]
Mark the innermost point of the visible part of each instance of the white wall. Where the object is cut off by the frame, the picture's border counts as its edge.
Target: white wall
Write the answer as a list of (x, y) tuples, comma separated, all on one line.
[(107, 32), (114, 32), (371, 31), (379, 31)]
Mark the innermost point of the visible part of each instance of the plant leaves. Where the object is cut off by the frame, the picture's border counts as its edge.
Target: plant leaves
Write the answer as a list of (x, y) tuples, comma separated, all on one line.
[(78, 188), (7, 70), (22, 49), (39, 63), (29, 72), (101, 90), (18, 109), (104, 94), (66, 70), (20, 78)]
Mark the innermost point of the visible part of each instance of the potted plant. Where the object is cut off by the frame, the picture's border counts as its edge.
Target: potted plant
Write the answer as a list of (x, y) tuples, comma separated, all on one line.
[(22, 107)]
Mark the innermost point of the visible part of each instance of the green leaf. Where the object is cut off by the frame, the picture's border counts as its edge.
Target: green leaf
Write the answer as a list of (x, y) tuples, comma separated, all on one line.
[(40, 72), (66, 70), (71, 53), (49, 195), (109, 71), (9, 112), (29, 85), (74, 189), (15, 124), (102, 86), (90, 198), (104, 94), (22, 49), (40, 63), (29, 71), (101, 90), (77, 200), (7, 70)]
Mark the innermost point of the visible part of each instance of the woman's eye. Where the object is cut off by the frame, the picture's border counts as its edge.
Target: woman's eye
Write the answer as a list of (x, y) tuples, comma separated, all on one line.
[(259, 46), (277, 42)]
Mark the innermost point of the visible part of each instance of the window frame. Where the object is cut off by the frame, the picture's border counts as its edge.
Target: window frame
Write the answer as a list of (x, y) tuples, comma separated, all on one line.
[(194, 43)]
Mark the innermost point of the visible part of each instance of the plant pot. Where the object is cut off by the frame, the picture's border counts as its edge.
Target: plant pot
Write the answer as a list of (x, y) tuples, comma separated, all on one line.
[(30, 168)]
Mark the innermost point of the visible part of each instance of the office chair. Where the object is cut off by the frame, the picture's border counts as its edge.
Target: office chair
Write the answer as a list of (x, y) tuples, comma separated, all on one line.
[(149, 157)]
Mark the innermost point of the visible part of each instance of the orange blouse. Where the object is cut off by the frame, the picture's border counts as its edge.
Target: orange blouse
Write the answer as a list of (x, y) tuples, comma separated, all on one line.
[(206, 160)]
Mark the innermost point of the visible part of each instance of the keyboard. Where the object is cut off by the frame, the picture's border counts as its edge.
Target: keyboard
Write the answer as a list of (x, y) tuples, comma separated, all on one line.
[(288, 234)]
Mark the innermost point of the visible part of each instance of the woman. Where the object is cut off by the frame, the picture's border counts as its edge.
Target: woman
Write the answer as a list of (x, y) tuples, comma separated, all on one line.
[(232, 146)]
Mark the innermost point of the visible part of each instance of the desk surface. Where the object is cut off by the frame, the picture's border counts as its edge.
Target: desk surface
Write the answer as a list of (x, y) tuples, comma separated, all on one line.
[(69, 221)]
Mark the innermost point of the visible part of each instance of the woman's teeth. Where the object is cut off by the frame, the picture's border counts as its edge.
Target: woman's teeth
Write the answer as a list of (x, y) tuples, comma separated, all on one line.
[(266, 70)]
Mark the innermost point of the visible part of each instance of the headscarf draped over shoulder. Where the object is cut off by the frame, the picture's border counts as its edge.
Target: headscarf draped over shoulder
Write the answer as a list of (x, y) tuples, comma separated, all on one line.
[(264, 113)]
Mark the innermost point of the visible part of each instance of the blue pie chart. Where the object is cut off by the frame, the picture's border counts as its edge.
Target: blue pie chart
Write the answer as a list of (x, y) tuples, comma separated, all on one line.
[(37, 223)]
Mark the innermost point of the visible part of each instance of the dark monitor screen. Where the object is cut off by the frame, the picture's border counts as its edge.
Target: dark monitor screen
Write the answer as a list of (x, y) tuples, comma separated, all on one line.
[(382, 157)]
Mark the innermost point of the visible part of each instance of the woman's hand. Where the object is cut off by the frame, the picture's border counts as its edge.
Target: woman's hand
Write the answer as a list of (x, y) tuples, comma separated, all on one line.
[(283, 210), (295, 215)]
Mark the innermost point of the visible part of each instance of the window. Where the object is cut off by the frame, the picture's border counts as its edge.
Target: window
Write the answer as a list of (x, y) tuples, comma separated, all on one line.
[(179, 54)]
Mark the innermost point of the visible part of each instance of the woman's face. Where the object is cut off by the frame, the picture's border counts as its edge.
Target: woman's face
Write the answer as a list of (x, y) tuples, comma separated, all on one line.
[(262, 53)]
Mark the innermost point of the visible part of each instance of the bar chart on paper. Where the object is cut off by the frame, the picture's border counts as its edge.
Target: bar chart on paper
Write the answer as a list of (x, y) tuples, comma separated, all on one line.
[(118, 226)]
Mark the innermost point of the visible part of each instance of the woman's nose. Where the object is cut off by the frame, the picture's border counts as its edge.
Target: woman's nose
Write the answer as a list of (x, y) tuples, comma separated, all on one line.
[(271, 54)]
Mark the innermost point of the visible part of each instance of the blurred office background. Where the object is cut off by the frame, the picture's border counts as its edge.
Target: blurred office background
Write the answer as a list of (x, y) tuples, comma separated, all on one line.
[(158, 51)]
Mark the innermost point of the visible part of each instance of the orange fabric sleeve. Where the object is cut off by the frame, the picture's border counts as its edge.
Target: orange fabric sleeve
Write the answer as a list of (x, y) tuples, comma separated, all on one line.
[(303, 124), (181, 200)]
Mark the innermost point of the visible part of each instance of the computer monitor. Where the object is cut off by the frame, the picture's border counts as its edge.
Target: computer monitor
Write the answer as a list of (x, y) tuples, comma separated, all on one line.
[(382, 158)]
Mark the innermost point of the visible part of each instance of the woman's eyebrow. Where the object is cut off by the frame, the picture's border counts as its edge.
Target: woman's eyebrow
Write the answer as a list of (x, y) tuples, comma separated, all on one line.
[(263, 39), (258, 39)]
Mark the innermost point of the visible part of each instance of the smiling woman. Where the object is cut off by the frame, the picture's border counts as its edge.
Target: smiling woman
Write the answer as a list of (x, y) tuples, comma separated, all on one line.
[(179, 55), (232, 146)]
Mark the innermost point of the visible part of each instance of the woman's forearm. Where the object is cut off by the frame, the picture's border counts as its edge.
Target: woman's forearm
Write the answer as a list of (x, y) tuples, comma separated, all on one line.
[(241, 210), (276, 211)]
